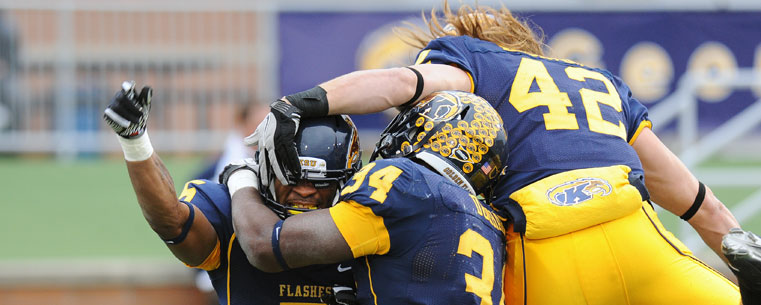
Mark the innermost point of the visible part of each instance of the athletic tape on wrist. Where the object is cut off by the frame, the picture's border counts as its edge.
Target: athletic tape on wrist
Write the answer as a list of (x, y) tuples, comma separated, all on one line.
[(695, 204), (276, 245), (241, 178), (137, 149), (312, 103), (418, 87), (185, 227)]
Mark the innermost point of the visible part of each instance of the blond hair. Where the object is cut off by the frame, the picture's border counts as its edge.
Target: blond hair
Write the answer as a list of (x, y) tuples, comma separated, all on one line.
[(497, 26)]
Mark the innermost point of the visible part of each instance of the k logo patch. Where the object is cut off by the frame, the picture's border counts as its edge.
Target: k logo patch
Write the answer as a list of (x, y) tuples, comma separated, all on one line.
[(577, 191)]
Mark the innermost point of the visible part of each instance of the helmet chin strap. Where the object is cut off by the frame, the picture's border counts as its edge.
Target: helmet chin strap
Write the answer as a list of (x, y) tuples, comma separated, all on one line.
[(271, 188), (338, 193), (446, 170), (272, 191)]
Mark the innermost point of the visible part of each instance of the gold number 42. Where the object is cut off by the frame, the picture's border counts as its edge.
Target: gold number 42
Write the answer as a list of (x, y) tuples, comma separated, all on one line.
[(557, 102)]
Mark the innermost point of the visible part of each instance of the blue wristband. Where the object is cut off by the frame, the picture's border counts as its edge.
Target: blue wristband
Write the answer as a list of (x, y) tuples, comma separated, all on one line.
[(276, 245), (185, 227)]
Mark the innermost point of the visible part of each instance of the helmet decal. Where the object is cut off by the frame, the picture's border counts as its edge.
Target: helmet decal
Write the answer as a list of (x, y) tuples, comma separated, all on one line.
[(442, 111), (459, 127), (354, 152)]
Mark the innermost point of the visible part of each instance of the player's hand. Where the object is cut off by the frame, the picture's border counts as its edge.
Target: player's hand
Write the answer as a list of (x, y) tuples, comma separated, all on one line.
[(240, 174), (743, 251), (128, 112), (341, 296), (275, 137)]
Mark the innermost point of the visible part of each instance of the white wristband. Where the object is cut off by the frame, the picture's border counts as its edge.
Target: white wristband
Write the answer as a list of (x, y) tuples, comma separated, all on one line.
[(138, 149), (242, 179)]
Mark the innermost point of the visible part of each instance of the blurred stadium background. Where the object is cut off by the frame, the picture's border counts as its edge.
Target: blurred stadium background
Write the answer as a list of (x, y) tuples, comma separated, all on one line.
[(71, 231)]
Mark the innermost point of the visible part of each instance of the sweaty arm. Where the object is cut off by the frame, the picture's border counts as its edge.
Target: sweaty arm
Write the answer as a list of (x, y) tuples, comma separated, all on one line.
[(127, 115), (673, 187), (371, 91), (166, 215), (304, 239)]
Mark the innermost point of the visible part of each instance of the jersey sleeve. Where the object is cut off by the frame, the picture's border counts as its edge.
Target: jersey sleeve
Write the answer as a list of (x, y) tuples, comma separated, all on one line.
[(375, 208), (213, 200), (635, 113), (447, 51)]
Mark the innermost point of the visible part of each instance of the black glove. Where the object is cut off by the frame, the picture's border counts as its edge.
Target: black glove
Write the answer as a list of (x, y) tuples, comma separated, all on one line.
[(275, 137), (743, 250), (341, 295), (128, 112)]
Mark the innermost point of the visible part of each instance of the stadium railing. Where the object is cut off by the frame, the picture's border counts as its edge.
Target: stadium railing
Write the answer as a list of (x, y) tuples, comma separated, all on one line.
[(62, 62)]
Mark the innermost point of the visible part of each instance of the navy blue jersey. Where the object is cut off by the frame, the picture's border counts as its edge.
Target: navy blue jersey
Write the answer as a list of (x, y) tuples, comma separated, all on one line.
[(246, 284), (419, 238), (559, 115)]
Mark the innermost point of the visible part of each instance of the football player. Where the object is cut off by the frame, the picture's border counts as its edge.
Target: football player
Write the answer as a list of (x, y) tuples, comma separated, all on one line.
[(198, 226), (412, 221), (580, 149)]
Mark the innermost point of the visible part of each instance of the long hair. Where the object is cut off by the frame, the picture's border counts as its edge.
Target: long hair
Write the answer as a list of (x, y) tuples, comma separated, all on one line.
[(498, 26)]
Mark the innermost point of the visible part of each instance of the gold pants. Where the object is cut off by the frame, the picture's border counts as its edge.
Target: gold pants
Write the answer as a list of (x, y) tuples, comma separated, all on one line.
[(630, 260)]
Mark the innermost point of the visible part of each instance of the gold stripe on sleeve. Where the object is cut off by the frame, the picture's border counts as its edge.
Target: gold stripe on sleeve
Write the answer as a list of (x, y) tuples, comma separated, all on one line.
[(363, 231), (212, 261), (472, 83), (421, 57), (641, 126), (229, 251)]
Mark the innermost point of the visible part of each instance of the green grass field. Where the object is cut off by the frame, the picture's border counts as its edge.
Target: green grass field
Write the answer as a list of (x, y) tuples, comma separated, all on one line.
[(83, 209), (86, 209)]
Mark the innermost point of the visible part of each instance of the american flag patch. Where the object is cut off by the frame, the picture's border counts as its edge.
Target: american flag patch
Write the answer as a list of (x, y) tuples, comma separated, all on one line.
[(486, 168)]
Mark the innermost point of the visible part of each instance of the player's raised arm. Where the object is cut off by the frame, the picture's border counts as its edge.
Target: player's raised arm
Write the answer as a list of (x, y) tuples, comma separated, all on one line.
[(359, 92), (371, 91), (187, 233)]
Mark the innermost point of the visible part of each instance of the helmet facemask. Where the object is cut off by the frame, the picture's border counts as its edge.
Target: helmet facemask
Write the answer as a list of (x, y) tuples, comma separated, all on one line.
[(329, 154)]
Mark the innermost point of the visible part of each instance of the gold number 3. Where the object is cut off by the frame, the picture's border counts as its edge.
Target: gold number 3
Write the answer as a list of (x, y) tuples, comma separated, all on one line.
[(470, 242)]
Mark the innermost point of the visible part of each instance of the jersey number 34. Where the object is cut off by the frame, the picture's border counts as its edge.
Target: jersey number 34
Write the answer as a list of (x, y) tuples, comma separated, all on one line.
[(470, 241)]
